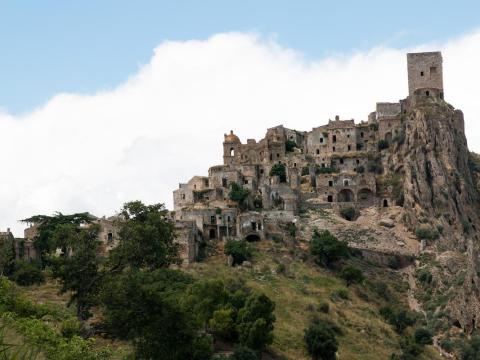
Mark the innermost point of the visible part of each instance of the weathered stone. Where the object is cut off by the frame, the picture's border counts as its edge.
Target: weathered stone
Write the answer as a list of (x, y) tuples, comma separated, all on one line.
[(389, 223)]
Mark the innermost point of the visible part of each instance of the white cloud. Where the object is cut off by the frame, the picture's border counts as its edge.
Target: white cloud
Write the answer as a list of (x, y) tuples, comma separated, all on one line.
[(166, 123)]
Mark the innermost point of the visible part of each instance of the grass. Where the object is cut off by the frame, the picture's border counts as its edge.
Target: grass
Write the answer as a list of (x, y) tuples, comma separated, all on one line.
[(298, 296)]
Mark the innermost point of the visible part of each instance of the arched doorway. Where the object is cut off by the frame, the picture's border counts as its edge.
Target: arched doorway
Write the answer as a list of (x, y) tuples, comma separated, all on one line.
[(365, 196), (252, 237), (345, 195), (385, 203)]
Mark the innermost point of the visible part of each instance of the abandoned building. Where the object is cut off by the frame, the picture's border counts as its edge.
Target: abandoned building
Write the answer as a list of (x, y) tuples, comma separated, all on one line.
[(331, 166)]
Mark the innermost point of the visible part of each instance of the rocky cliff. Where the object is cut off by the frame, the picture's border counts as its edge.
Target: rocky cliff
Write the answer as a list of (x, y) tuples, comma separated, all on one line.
[(441, 201)]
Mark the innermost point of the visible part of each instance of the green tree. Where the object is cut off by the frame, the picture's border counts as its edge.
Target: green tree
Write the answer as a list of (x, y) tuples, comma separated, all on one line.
[(79, 268), (145, 307), (471, 351), (327, 248), (290, 145), (240, 251), (243, 353), (222, 324), (255, 322), (147, 239), (399, 318), (25, 273), (280, 171), (383, 144), (44, 242), (351, 275), (321, 341), (239, 195)]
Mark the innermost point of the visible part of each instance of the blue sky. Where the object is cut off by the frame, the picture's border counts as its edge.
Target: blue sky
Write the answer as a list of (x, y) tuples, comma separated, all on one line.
[(53, 46)]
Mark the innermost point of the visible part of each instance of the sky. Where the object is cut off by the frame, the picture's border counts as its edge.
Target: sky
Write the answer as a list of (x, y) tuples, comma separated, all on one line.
[(103, 102)]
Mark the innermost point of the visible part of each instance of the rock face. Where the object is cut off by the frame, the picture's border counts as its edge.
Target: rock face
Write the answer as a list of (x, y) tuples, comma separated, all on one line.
[(440, 191)]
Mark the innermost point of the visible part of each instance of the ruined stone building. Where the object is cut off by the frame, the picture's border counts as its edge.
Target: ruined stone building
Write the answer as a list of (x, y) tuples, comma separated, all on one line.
[(333, 165)]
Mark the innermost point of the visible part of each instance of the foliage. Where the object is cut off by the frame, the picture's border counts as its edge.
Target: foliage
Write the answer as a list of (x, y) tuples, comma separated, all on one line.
[(44, 242), (424, 276), (26, 273), (239, 250), (255, 322), (374, 164), (349, 213), (360, 169), (426, 232), (239, 195), (305, 170), (321, 341), (325, 170), (423, 336), (471, 351), (243, 353), (145, 307), (280, 171), (398, 317), (147, 239), (290, 145), (327, 248), (79, 272), (351, 275), (474, 162), (222, 324), (382, 144)]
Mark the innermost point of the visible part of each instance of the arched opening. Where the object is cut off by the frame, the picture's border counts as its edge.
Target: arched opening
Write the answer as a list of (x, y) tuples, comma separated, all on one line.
[(366, 197), (330, 198), (212, 234), (232, 152), (427, 93), (385, 203), (252, 237), (345, 195)]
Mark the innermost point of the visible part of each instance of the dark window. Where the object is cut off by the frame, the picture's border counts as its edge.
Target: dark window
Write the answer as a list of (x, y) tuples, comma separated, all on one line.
[(330, 198), (334, 138), (278, 155), (361, 134), (261, 171), (212, 219), (421, 73), (109, 237), (245, 182), (224, 182), (357, 161), (183, 196), (349, 147), (321, 140), (427, 93), (345, 182), (254, 225), (294, 164), (385, 203), (330, 183), (333, 149), (323, 165), (195, 187), (212, 233), (341, 160), (318, 151)]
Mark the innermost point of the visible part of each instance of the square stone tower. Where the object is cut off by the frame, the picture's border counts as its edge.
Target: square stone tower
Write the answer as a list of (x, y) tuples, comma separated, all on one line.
[(425, 73)]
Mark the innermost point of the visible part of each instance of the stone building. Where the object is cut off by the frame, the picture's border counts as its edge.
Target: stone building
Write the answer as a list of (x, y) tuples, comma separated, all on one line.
[(338, 163)]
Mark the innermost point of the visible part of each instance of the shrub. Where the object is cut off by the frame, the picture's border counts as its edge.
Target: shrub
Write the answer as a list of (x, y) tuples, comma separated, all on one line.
[(26, 274), (424, 276), (426, 232), (471, 351), (238, 194), (325, 170), (324, 307), (327, 248), (423, 336), (243, 353), (383, 144), (239, 250), (222, 324), (349, 213), (290, 145), (71, 327), (321, 341), (351, 275), (447, 344), (340, 293), (280, 171), (399, 318)]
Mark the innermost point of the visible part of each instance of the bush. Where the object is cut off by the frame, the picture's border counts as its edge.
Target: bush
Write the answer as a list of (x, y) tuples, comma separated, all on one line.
[(351, 275), (243, 353), (426, 232), (26, 274), (239, 250), (471, 351), (327, 248), (239, 195), (222, 324), (325, 170), (290, 145), (71, 327), (399, 318), (424, 276), (324, 307), (321, 341), (349, 213), (280, 171), (340, 293), (383, 144), (423, 336)]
